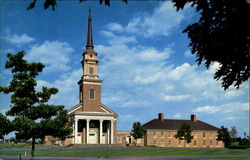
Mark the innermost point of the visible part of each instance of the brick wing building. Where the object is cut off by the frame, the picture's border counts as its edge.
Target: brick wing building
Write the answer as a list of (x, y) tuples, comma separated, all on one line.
[(160, 133)]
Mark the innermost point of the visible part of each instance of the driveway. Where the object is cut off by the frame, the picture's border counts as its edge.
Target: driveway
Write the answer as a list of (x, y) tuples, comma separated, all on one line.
[(123, 157)]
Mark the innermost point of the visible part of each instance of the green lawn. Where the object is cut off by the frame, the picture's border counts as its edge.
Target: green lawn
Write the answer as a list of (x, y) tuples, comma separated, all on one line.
[(91, 152)]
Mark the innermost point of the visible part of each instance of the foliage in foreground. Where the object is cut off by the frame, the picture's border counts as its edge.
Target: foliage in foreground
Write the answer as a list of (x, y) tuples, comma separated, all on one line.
[(137, 131), (5, 126), (184, 133), (34, 118), (224, 136)]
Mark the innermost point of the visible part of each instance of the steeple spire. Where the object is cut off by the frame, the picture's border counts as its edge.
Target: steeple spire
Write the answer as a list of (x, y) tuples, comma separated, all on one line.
[(89, 45)]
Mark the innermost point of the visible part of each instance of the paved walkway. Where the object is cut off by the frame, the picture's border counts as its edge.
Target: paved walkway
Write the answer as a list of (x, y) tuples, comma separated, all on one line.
[(124, 157)]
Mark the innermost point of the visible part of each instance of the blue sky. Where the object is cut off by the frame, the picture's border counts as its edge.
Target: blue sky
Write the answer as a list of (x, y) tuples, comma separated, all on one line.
[(145, 60)]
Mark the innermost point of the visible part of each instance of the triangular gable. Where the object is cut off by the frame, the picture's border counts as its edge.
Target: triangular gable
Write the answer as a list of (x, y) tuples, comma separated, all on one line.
[(102, 107)]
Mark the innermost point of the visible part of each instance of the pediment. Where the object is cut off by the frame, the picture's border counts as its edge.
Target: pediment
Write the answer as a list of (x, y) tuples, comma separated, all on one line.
[(79, 109)]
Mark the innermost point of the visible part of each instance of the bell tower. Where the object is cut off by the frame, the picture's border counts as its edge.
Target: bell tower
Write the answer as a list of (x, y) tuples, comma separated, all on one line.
[(90, 85)]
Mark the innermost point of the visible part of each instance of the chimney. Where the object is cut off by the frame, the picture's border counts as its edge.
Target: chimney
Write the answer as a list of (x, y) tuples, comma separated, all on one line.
[(193, 117), (161, 116)]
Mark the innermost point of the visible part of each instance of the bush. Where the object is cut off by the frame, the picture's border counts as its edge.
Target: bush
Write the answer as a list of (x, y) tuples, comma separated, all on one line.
[(236, 147)]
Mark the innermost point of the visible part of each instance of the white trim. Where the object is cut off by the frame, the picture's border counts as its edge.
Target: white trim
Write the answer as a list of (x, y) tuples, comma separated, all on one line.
[(112, 132), (96, 83), (95, 117), (89, 92), (100, 131), (75, 109), (105, 110)]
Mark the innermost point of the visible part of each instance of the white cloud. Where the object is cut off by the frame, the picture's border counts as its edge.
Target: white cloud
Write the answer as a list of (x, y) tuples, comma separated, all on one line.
[(179, 72), (188, 54), (19, 39), (233, 107), (176, 97), (118, 40), (161, 22), (151, 54), (54, 54), (207, 109), (115, 27), (178, 115)]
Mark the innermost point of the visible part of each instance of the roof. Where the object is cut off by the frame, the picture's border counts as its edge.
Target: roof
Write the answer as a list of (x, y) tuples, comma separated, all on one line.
[(106, 111), (172, 124)]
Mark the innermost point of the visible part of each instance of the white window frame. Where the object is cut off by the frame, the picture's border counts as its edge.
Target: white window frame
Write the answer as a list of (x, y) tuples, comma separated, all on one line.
[(169, 133), (119, 139), (90, 94)]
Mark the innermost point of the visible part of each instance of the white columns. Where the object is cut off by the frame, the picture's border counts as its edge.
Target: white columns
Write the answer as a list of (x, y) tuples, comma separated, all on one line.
[(108, 134), (76, 130), (112, 132), (87, 131), (100, 131)]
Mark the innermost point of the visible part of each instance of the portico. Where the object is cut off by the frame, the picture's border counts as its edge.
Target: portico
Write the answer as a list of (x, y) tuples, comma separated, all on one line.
[(97, 129)]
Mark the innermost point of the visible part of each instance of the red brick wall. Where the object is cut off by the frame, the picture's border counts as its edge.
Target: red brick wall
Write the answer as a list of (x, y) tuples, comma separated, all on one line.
[(209, 141), (91, 105)]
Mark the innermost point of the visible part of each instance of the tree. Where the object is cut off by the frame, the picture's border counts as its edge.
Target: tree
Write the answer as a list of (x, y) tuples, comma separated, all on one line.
[(5, 126), (221, 35), (53, 3), (137, 131), (233, 133), (224, 136), (34, 118), (184, 133)]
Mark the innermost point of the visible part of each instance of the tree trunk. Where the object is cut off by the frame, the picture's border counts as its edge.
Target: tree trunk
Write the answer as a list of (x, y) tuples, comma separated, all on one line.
[(33, 148)]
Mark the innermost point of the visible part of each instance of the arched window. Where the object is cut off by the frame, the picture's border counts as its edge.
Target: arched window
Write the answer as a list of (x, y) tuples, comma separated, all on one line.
[(91, 94)]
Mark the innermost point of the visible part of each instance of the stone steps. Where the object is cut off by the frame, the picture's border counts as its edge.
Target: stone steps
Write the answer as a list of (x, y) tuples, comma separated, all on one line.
[(93, 145)]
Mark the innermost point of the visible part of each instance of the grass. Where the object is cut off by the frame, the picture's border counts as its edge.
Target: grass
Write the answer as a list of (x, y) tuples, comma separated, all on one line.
[(103, 152)]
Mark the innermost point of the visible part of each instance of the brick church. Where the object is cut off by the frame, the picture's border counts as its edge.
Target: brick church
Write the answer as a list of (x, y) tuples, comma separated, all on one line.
[(95, 123)]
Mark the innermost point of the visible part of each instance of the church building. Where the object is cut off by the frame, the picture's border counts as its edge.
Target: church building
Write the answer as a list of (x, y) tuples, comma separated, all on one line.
[(93, 122)]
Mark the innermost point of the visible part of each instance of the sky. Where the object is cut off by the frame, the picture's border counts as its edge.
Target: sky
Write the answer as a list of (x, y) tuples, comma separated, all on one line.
[(145, 62)]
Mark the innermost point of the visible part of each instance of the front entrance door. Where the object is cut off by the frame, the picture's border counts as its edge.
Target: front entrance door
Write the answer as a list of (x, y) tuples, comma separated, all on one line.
[(103, 139), (92, 137), (79, 138)]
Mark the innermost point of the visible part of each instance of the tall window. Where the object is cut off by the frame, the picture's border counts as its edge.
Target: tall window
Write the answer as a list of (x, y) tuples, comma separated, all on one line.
[(195, 135), (119, 139), (204, 134), (162, 134), (155, 134), (211, 135), (179, 143), (210, 143), (169, 134), (204, 143), (169, 143), (162, 143), (91, 71), (195, 143), (91, 94)]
